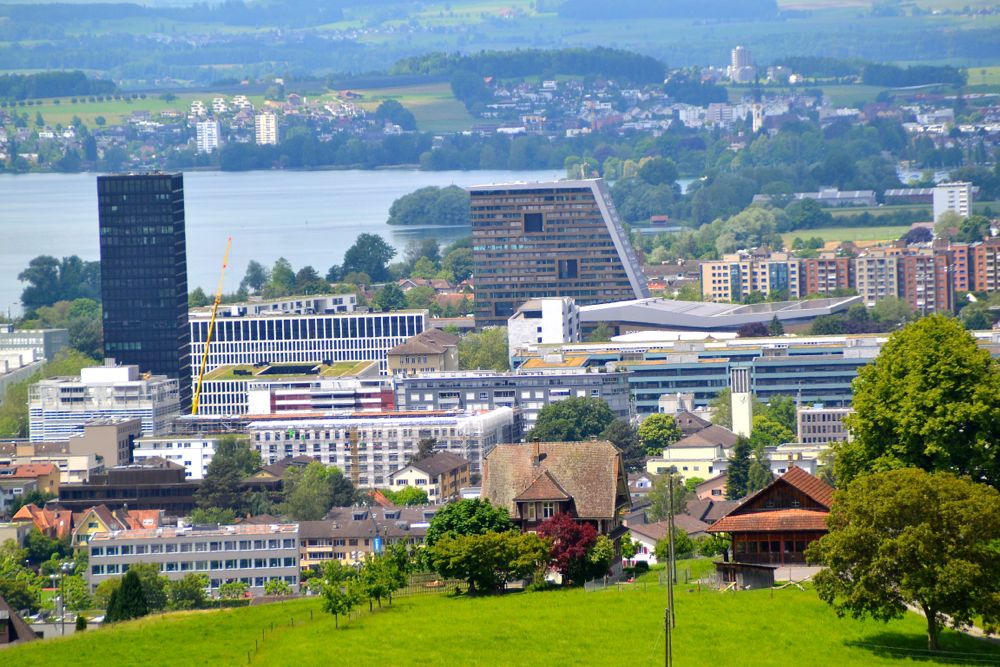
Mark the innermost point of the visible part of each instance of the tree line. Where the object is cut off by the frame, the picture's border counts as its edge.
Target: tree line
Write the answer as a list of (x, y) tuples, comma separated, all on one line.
[(52, 84)]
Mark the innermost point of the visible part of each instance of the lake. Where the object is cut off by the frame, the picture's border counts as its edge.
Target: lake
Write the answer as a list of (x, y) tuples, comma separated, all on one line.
[(308, 217)]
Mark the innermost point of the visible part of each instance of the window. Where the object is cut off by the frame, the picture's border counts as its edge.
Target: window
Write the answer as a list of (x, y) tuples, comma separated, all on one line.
[(568, 268), (533, 223), (531, 511), (548, 510)]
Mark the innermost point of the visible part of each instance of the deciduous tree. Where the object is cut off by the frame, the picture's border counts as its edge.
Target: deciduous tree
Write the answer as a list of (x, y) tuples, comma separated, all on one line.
[(623, 435), (574, 419), (486, 561), (908, 537), (657, 432), (390, 297), (470, 516), (485, 350), (370, 255), (222, 488), (931, 400)]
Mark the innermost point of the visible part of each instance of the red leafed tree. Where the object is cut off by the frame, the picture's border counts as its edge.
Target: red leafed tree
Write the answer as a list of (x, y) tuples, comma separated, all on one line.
[(571, 544)]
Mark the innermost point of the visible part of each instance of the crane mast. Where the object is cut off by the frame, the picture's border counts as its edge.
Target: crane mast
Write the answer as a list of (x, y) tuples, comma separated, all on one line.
[(211, 329)]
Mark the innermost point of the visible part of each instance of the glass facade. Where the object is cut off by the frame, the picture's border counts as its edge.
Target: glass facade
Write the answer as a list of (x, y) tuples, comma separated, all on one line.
[(144, 274)]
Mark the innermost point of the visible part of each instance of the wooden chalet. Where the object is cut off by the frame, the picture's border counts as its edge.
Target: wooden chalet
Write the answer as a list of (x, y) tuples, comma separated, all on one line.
[(773, 527)]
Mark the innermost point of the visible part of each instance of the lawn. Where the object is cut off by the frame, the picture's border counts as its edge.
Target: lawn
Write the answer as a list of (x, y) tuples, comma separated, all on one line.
[(115, 111), (890, 233), (617, 626), (433, 105)]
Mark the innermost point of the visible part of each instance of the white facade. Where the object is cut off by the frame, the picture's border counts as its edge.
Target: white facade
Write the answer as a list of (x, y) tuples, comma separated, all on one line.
[(550, 320), (370, 448), (194, 453), (207, 136), (58, 408), (742, 401), (265, 127), (955, 197), (302, 338)]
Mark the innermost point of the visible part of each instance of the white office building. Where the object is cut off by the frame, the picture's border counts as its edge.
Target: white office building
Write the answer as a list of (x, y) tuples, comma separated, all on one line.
[(368, 448), (207, 136), (956, 197), (194, 453), (551, 320), (277, 339), (58, 408), (265, 127)]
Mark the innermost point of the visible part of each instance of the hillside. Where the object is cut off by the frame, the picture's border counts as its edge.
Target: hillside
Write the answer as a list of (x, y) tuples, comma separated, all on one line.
[(611, 627)]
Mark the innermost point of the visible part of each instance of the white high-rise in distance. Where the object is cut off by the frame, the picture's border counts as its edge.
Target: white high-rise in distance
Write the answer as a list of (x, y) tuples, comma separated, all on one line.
[(207, 136), (955, 197), (266, 128)]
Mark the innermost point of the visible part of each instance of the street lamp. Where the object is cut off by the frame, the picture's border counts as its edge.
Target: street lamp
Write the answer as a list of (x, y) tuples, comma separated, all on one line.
[(64, 568)]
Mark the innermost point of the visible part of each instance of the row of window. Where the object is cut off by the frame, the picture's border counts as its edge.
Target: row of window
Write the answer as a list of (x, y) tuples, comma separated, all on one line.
[(191, 547), (200, 565)]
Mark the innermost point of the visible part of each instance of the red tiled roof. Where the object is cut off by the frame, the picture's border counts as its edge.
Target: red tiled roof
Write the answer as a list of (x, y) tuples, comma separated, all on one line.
[(34, 470), (773, 521), (545, 487), (810, 485)]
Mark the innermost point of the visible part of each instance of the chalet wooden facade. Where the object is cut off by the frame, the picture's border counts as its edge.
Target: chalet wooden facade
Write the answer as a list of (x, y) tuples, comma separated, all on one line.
[(775, 525)]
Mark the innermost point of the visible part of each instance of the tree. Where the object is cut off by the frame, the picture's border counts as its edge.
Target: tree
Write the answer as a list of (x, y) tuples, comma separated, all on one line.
[(722, 408), (33, 497), (281, 281), (277, 588), (222, 488), (341, 598), (310, 491), (470, 516), (947, 225), (154, 586), (713, 545), (766, 432), (657, 432), (81, 623), (77, 593), (255, 277), (892, 311), (602, 333), (623, 435), (102, 594), (782, 410), (82, 317), (308, 281), (684, 546), (197, 298), (659, 497), (752, 330), (394, 112), (421, 298), (738, 471), (370, 255), (212, 515), (423, 268), (572, 420), (390, 297), (658, 171), (382, 575), (408, 495), (17, 593), (759, 473), (188, 592), (571, 543), (486, 561), (233, 590), (775, 328), (128, 601), (931, 400), (630, 547), (485, 350), (51, 280), (428, 249), (425, 448), (906, 536), (458, 263)]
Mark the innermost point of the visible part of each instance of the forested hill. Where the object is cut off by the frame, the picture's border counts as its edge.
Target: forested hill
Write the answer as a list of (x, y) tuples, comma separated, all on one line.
[(623, 66), (638, 9), (51, 84)]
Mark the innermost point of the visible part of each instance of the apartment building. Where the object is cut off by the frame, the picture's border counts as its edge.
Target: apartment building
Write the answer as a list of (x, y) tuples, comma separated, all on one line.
[(986, 265), (954, 197), (370, 447), (265, 127), (350, 534), (818, 424), (249, 553), (826, 274), (207, 136), (737, 275)]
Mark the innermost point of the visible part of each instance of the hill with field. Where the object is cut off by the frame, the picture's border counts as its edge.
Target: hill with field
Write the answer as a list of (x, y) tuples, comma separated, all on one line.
[(619, 625)]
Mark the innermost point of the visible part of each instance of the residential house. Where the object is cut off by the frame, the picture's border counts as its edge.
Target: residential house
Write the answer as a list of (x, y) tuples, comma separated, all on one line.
[(18, 480), (100, 519), (535, 481), (55, 523), (350, 534), (712, 489), (702, 454), (647, 535), (773, 527), (432, 350), (442, 475)]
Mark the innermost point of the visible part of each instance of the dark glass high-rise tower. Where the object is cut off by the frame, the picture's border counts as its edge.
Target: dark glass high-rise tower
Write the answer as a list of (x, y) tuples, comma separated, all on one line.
[(144, 274)]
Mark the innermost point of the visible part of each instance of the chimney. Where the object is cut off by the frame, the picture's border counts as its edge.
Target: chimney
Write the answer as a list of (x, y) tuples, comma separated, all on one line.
[(535, 456)]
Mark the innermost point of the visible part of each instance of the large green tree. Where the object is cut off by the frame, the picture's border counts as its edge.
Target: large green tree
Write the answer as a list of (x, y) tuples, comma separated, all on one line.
[(908, 537), (370, 255), (222, 488), (931, 399), (390, 297), (738, 470), (657, 432), (128, 601), (470, 516), (623, 435), (311, 491), (571, 420), (486, 561), (486, 349)]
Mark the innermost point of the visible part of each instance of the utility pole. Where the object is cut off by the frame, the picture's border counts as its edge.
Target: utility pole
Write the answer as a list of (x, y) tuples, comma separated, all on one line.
[(672, 560)]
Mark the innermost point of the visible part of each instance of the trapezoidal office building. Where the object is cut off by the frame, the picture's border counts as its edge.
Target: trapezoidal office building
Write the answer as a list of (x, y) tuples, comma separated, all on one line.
[(534, 240), (144, 274)]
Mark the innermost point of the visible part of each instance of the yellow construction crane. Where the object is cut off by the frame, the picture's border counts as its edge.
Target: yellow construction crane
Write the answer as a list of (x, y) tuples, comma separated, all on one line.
[(211, 328)]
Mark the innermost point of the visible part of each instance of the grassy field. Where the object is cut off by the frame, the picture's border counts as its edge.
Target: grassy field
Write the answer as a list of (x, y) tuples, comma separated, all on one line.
[(433, 105), (617, 626), (115, 111), (890, 233)]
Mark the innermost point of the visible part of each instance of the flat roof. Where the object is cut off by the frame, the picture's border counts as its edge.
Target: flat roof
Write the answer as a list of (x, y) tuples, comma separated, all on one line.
[(284, 371), (709, 316)]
